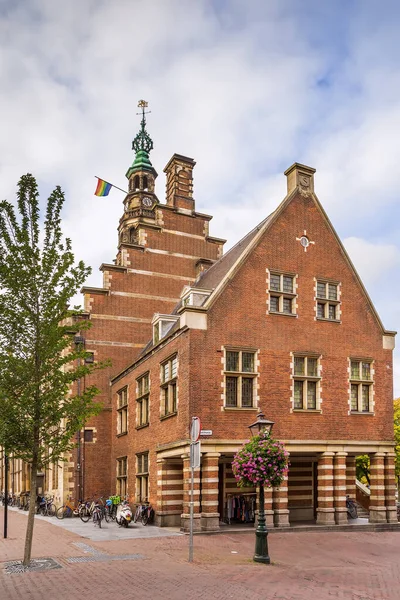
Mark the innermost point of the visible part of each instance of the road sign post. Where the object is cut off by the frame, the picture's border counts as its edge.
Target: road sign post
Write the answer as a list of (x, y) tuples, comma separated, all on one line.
[(195, 429)]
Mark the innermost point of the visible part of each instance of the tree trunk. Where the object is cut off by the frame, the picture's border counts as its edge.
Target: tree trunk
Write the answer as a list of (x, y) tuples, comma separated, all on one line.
[(31, 515)]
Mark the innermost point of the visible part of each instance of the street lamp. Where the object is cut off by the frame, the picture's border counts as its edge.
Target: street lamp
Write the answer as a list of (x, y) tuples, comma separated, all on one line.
[(261, 550)]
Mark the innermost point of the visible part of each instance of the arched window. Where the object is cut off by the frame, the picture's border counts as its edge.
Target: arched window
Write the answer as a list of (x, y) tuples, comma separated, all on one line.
[(136, 182), (145, 183)]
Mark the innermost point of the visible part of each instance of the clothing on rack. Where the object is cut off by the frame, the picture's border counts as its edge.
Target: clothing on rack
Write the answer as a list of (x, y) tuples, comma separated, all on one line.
[(240, 508)]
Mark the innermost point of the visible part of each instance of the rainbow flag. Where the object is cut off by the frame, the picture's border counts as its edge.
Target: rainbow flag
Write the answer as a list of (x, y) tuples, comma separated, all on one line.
[(103, 188)]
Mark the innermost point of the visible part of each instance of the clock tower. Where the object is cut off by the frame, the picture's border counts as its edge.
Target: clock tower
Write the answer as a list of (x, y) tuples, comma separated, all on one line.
[(140, 202)]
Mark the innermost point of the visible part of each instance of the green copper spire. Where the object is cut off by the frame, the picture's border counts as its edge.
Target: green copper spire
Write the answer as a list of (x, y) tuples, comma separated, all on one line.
[(142, 144)]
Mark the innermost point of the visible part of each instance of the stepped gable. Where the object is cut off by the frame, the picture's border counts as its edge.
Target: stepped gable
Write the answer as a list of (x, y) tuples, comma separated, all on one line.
[(215, 274)]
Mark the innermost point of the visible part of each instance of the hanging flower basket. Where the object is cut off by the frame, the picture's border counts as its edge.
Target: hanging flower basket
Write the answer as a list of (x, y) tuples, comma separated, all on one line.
[(262, 460)]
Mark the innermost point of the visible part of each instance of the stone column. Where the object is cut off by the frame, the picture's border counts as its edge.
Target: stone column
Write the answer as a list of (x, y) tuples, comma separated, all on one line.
[(280, 504), (351, 477), (377, 508), (185, 516), (325, 510), (209, 491), (390, 488), (169, 493), (339, 488)]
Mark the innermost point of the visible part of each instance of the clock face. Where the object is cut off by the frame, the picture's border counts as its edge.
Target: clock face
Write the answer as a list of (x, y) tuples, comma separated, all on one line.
[(147, 202)]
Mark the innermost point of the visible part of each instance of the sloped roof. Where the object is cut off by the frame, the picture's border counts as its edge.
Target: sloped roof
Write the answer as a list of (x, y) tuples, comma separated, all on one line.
[(209, 279), (215, 274)]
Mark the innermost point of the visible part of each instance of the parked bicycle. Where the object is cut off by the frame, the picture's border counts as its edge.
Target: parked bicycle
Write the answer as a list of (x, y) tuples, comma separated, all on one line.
[(98, 514), (45, 506), (68, 509), (86, 509), (115, 501), (145, 513), (351, 507)]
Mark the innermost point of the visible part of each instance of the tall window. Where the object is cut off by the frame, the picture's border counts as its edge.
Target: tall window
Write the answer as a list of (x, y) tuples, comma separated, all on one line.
[(361, 383), (122, 411), (142, 477), (142, 401), (240, 374), (122, 476), (306, 382), (169, 371), (281, 294), (328, 300)]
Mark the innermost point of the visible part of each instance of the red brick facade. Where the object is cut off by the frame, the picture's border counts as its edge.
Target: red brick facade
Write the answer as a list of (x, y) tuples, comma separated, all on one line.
[(343, 413)]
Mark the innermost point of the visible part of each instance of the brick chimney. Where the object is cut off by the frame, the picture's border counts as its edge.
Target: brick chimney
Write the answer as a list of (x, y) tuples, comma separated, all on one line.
[(179, 172)]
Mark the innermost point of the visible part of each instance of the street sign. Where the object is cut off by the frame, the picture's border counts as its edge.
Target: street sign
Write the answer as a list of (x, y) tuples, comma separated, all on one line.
[(195, 455), (206, 432), (195, 429)]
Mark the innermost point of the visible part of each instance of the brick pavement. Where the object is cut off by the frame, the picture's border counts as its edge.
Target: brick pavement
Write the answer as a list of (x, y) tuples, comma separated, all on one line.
[(316, 566)]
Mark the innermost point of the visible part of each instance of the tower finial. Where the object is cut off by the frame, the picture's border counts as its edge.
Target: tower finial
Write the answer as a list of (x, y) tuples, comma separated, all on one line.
[(142, 140)]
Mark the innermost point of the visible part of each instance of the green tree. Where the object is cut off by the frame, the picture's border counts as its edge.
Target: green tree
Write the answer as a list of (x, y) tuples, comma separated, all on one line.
[(363, 469), (39, 409)]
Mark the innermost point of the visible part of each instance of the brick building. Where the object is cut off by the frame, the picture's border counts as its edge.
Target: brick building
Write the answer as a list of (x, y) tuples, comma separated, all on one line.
[(281, 323)]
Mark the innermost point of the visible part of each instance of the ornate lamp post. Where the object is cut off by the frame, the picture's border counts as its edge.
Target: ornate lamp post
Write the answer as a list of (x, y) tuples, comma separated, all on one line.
[(261, 550)]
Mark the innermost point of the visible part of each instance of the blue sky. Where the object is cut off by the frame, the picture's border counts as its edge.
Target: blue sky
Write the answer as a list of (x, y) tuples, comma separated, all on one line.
[(246, 88)]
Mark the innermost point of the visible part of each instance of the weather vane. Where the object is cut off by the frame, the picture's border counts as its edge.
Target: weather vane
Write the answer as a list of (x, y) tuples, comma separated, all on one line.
[(143, 104)]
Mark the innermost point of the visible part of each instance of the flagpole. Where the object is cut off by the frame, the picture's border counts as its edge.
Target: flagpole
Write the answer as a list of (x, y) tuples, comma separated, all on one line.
[(115, 186)]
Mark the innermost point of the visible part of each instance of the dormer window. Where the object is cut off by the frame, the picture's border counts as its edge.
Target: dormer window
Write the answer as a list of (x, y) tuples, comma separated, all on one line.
[(162, 324), (195, 297)]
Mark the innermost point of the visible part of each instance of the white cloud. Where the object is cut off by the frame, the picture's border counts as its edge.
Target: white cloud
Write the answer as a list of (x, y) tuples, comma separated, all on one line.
[(373, 261), (245, 89)]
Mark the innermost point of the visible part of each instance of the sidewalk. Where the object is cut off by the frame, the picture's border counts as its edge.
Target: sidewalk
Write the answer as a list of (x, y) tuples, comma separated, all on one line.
[(320, 566), (109, 531)]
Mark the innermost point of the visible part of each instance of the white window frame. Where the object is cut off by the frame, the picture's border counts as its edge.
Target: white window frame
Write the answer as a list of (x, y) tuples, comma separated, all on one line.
[(326, 301), (122, 411), (281, 294), (142, 398), (122, 476), (360, 382), (239, 376), (305, 379), (142, 476), (169, 387)]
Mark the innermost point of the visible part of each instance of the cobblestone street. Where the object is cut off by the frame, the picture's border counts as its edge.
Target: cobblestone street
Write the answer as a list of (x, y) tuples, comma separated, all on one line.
[(345, 566)]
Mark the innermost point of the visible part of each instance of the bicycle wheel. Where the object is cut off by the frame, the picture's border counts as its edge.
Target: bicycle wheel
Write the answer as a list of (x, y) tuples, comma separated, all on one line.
[(99, 517), (51, 510), (107, 515), (145, 516), (352, 510), (138, 514), (60, 512), (84, 514)]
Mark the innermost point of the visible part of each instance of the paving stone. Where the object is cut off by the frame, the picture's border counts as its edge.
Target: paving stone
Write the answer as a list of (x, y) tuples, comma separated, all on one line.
[(316, 565)]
